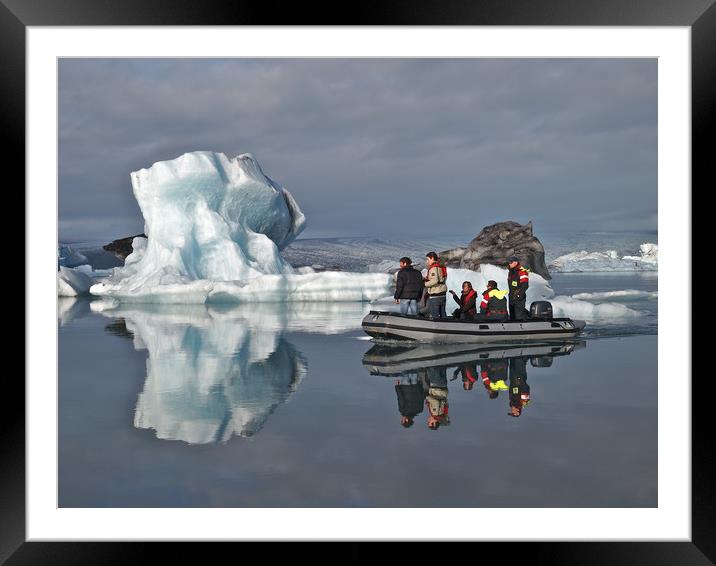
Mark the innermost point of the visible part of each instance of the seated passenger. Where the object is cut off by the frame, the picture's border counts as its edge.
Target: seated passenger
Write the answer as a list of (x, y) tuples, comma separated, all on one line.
[(494, 303), (466, 301)]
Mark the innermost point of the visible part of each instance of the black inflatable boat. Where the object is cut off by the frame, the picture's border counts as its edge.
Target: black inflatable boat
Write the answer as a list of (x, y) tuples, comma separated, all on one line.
[(396, 326)]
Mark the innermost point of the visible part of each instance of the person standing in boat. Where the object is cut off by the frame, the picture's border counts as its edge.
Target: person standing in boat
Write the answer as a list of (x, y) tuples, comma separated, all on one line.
[(466, 301), (494, 304), (408, 287), (436, 286), (518, 281)]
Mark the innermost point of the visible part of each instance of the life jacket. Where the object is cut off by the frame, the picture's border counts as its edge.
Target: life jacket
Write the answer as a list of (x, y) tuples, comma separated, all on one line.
[(442, 271), (436, 401), (466, 298), (469, 375), (494, 370), (494, 301), (518, 275), (519, 393)]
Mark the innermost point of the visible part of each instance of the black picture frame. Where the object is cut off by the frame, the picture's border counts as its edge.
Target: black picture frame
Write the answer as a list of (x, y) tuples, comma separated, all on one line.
[(699, 15)]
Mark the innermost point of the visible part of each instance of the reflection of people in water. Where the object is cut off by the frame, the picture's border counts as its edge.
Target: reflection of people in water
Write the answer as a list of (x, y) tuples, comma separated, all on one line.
[(519, 389), (410, 398), (494, 373), (468, 372), (435, 384)]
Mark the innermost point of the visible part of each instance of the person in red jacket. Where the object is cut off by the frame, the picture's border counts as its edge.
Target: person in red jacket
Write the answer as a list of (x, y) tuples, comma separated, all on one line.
[(466, 301), (518, 281)]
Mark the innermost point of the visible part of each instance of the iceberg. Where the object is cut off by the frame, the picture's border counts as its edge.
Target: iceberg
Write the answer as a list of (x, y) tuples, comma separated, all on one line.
[(72, 282), (215, 228), (208, 217), (590, 312), (623, 294), (648, 260), (67, 256), (76, 281)]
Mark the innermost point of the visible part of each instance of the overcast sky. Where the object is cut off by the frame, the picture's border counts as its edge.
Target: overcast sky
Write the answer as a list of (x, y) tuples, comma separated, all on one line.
[(389, 147)]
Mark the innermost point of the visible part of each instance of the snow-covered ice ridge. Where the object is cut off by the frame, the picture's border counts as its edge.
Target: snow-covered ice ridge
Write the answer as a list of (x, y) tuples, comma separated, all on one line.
[(216, 227), (647, 260)]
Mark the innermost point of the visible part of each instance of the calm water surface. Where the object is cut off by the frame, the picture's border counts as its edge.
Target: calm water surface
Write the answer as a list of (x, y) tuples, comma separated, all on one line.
[(289, 406)]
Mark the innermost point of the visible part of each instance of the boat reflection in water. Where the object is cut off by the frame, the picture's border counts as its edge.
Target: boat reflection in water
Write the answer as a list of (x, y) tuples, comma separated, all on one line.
[(421, 373), (214, 373)]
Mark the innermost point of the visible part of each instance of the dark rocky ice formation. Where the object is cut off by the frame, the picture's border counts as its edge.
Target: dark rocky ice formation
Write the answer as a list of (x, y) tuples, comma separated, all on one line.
[(122, 247), (495, 244)]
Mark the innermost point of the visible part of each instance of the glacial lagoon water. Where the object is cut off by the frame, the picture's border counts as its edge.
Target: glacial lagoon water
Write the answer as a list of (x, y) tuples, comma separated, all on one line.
[(291, 406)]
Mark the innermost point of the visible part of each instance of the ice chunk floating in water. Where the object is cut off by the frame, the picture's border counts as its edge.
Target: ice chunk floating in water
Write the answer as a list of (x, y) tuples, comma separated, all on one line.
[(215, 230), (72, 282), (622, 294), (648, 260)]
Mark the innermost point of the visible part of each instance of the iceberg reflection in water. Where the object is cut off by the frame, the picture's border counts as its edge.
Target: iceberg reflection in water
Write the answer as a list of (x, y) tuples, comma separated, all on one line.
[(213, 373)]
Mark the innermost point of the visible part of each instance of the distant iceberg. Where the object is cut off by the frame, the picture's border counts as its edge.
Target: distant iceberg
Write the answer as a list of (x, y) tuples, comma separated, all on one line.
[(67, 256), (621, 295), (647, 260), (215, 230)]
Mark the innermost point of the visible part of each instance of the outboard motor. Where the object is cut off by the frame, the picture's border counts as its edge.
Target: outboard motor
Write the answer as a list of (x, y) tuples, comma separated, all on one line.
[(541, 310), (541, 361)]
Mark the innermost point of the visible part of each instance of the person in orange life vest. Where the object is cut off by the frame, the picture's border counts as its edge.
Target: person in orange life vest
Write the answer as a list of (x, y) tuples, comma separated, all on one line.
[(519, 389), (518, 281), (468, 372), (435, 285), (466, 301), (493, 305)]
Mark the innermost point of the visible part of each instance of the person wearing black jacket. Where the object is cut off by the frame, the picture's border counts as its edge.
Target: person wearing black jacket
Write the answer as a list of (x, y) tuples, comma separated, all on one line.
[(411, 397), (408, 287), (518, 281), (466, 301)]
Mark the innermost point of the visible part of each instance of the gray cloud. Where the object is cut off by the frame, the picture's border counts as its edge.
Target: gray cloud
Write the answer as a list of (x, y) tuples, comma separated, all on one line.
[(410, 147)]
